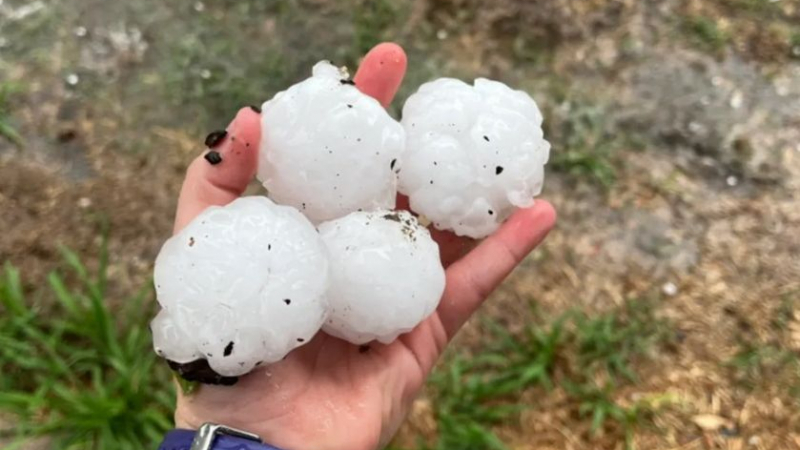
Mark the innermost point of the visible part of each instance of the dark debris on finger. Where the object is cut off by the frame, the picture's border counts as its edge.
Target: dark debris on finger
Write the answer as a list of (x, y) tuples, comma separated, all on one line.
[(199, 371)]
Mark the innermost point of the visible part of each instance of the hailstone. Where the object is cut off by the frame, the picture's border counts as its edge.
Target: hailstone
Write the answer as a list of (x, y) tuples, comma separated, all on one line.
[(327, 149), (474, 154), (386, 275), (240, 285)]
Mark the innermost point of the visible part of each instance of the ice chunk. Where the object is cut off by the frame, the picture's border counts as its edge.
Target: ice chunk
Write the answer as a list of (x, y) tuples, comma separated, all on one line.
[(386, 275), (327, 149), (241, 284), (474, 154)]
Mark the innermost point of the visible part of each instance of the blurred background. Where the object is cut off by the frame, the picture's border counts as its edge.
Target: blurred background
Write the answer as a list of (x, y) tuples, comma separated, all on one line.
[(662, 312)]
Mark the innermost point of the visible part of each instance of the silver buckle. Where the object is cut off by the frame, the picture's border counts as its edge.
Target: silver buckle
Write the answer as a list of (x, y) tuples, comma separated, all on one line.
[(208, 432)]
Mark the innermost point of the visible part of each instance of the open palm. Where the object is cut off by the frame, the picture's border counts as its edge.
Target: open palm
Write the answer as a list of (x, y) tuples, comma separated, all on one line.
[(330, 394)]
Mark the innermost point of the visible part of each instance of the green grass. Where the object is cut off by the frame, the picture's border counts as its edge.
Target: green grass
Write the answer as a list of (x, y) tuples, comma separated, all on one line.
[(465, 406), (609, 342), (374, 21), (473, 393), (220, 75), (794, 40), (76, 371), (596, 404), (470, 391), (584, 143), (706, 33), (224, 58), (759, 364), (606, 348), (7, 130), (759, 8), (784, 311), (755, 365), (82, 373)]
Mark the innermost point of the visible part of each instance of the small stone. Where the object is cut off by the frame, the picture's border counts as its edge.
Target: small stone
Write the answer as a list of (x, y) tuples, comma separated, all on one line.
[(737, 99), (669, 289), (697, 128)]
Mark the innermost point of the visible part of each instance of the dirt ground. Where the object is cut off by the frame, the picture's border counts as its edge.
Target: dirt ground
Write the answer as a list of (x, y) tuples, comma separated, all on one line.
[(700, 120)]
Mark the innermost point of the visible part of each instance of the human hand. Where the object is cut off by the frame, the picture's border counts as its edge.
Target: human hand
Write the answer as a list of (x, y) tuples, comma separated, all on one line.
[(330, 394)]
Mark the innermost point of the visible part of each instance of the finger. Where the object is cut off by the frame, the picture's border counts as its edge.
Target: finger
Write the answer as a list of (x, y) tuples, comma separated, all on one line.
[(472, 278), (402, 204), (208, 184), (451, 246), (222, 173), (381, 72)]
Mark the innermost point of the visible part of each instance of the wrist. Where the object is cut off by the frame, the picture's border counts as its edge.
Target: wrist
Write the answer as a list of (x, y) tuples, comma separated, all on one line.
[(282, 436), (297, 415), (285, 433)]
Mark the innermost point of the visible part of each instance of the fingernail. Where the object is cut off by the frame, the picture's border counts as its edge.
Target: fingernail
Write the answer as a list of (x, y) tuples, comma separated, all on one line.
[(215, 137), (213, 158)]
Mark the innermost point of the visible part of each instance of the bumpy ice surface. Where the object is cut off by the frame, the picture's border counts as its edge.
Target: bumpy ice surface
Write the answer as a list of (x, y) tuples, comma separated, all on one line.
[(327, 149), (240, 285), (474, 153), (386, 276)]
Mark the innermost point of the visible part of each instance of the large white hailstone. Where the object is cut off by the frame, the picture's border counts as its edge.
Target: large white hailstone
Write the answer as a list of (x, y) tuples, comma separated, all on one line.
[(327, 149), (386, 275), (240, 285), (171, 342), (474, 154)]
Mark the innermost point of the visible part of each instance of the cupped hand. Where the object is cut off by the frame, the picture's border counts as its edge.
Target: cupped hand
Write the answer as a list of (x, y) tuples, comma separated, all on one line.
[(330, 394)]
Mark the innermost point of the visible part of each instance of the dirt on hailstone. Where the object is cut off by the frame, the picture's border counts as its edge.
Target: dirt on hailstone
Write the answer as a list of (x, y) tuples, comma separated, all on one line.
[(703, 213)]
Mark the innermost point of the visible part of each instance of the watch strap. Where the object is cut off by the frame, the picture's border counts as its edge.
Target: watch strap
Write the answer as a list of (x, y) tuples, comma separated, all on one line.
[(213, 437)]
